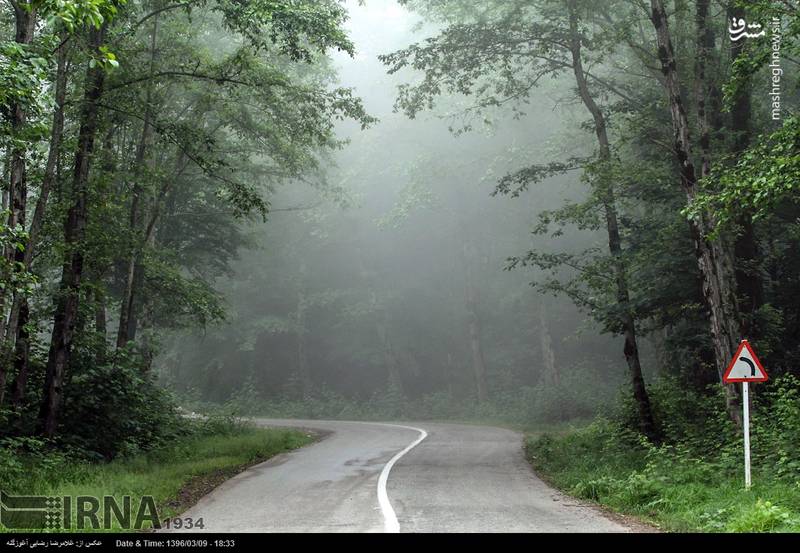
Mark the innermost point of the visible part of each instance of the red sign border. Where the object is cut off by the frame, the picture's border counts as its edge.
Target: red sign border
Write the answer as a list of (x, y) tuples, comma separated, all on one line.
[(745, 344)]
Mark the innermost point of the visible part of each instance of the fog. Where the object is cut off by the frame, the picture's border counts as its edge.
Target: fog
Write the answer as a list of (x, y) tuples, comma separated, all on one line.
[(380, 288)]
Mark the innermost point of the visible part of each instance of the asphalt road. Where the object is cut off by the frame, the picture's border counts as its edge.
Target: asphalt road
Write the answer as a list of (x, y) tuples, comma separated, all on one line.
[(371, 477)]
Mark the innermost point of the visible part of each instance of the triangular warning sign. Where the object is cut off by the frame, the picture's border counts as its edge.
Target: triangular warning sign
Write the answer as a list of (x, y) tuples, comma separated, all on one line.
[(745, 366)]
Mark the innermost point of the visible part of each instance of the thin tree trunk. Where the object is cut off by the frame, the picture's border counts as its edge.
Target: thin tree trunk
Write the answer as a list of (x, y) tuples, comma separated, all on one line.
[(713, 257), (74, 231), (384, 337), (303, 375), (52, 156), (20, 310), (474, 326), (126, 331), (6, 177), (100, 321), (25, 25), (552, 378), (22, 358), (382, 323), (129, 319), (608, 199)]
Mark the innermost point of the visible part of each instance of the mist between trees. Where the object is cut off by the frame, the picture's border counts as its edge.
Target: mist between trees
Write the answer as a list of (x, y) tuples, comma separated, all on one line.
[(527, 211)]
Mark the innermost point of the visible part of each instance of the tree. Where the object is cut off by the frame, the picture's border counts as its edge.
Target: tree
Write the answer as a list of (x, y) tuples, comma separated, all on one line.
[(714, 256), (499, 54), (219, 150)]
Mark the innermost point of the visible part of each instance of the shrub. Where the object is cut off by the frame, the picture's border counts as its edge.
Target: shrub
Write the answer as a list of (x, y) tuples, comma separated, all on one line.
[(116, 409), (596, 489), (29, 463), (763, 516), (775, 432)]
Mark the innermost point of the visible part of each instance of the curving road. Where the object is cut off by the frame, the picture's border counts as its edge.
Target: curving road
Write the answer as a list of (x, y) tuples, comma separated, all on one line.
[(373, 477)]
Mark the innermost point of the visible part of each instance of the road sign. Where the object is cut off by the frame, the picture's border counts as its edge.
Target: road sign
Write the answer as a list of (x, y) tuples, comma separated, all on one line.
[(745, 366)]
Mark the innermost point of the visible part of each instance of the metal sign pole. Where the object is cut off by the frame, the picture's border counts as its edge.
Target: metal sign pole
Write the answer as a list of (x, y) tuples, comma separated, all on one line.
[(746, 408), (745, 368)]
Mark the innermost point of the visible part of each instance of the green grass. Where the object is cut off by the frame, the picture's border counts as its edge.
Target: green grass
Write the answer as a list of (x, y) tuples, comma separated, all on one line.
[(175, 476), (665, 486)]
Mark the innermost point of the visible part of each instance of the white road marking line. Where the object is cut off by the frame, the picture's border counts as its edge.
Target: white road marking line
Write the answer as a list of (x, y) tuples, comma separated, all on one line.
[(390, 524)]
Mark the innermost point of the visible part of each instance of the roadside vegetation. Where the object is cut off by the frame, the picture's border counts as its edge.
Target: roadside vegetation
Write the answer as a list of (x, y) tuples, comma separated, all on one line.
[(693, 480), (557, 209), (197, 458), (138, 140), (690, 195)]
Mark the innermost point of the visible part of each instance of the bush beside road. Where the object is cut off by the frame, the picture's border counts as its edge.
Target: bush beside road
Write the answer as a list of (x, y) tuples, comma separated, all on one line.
[(175, 475)]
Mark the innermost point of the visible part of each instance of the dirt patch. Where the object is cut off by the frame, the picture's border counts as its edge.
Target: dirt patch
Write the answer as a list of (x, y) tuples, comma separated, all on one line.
[(633, 523), (199, 486)]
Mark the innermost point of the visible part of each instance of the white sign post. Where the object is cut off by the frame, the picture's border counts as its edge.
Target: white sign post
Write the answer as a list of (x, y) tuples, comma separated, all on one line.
[(746, 422), (745, 368)]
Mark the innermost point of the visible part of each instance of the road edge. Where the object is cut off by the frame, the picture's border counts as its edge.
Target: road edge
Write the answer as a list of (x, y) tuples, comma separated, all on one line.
[(631, 522)]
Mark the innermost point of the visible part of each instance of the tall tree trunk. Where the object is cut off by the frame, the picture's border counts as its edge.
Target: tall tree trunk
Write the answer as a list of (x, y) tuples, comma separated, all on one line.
[(303, 376), (100, 322), (74, 231), (128, 316), (20, 310), (608, 199), (382, 323), (551, 374), (382, 328), (22, 358), (131, 304), (25, 26), (6, 177), (713, 256), (474, 325)]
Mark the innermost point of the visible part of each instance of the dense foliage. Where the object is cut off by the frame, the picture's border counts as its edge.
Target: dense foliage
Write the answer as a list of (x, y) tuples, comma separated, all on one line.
[(174, 475), (693, 482), (138, 140), (690, 176), (622, 157), (563, 115)]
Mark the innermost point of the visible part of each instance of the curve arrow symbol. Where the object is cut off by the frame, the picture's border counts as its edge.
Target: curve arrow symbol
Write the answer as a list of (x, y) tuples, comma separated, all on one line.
[(752, 365)]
